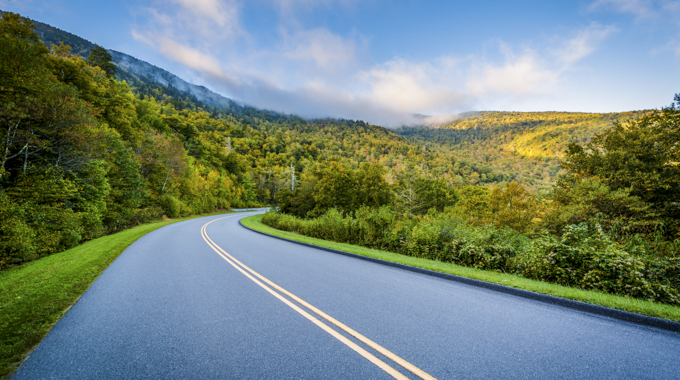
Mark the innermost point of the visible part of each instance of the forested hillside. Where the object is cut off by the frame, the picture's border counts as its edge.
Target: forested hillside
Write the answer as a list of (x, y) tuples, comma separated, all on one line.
[(144, 77), (483, 148), (515, 146), (83, 154)]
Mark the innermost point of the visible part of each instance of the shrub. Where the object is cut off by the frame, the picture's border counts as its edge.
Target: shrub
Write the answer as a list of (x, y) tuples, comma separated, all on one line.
[(585, 257), (171, 205), (17, 244)]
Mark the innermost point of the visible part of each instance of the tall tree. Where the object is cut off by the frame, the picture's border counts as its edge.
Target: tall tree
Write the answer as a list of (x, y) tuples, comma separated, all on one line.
[(372, 189), (335, 189), (101, 58), (640, 157)]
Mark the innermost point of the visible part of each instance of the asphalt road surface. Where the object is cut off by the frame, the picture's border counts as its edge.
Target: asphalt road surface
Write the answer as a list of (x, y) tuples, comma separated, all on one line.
[(197, 301)]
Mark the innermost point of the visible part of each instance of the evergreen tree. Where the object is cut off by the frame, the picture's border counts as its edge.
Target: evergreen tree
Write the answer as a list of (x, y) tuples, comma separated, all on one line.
[(101, 58)]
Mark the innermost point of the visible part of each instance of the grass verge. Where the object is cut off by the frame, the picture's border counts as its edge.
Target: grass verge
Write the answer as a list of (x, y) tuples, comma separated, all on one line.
[(35, 295), (633, 305)]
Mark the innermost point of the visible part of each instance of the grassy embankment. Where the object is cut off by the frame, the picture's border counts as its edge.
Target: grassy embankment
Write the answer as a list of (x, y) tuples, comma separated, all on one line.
[(35, 295), (633, 305)]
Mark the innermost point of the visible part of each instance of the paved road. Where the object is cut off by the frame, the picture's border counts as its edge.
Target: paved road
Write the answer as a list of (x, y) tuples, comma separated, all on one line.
[(171, 307)]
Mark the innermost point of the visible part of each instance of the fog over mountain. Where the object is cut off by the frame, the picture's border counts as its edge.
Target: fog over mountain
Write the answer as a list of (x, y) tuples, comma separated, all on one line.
[(131, 68)]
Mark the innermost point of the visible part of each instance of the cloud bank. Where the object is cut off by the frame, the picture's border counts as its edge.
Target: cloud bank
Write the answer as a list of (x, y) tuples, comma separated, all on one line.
[(316, 72)]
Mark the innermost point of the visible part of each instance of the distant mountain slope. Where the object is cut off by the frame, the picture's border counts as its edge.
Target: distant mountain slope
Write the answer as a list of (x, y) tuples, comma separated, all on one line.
[(529, 134), (523, 146), (133, 68), (135, 71)]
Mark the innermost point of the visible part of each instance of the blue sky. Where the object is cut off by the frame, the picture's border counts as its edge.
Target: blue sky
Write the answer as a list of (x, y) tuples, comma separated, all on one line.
[(385, 61)]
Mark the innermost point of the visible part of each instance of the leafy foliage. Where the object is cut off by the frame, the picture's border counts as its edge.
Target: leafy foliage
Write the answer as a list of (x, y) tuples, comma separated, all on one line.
[(525, 147), (101, 58), (638, 159)]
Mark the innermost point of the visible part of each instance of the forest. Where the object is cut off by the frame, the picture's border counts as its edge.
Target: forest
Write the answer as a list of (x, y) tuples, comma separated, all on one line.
[(86, 149), (84, 152), (610, 223), (525, 147)]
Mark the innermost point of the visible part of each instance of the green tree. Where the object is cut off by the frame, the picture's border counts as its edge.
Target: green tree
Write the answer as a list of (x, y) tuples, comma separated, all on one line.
[(23, 78), (101, 58), (372, 189), (301, 202), (46, 196), (640, 157), (248, 189), (513, 206), (128, 191), (473, 204), (433, 194), (335, 189)]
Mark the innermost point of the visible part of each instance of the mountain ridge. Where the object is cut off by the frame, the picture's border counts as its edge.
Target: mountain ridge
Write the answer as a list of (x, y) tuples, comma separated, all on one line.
[(132, 69)]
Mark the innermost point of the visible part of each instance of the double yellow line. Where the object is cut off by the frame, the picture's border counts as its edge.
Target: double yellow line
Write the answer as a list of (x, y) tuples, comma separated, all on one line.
[(270, 286)]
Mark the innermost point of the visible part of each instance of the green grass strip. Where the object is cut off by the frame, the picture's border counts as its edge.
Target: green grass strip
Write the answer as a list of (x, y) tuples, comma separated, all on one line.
[(633, 305), (35, 295)]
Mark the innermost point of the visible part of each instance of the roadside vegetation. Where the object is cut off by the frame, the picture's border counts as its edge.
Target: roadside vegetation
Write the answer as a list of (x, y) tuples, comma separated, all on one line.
[(644, 307)]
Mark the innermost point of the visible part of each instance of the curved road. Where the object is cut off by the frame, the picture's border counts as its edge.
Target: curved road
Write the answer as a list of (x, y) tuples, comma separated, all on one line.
[(185, 301)]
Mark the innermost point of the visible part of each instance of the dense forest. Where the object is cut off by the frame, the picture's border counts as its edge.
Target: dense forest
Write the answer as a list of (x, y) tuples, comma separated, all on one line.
[(525, 147)]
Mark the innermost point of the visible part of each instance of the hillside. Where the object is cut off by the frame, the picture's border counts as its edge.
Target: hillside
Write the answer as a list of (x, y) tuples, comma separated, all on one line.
[(522, 146), (482, 148), (139, 74)]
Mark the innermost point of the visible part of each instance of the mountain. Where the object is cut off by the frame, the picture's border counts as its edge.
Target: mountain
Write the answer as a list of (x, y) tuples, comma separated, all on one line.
[(137, 72), (521, 146), (478, 148)]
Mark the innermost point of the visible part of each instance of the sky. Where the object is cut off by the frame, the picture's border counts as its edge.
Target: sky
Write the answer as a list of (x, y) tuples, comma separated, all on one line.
[(396, 62)]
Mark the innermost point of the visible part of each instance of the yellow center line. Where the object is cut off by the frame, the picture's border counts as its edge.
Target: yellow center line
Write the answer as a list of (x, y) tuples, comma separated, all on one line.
[(240, 266)]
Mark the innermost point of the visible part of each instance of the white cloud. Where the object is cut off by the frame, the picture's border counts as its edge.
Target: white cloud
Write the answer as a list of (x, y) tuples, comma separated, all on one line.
[(222, 13), (327, 50), (316, 72), (212, 21), (190, 57), (412, 87), (584, 43), (519, 75)]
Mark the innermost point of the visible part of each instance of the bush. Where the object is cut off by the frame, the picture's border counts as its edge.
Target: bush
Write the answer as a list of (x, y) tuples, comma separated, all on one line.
[(17, 244), (583, 256), (171, 205)]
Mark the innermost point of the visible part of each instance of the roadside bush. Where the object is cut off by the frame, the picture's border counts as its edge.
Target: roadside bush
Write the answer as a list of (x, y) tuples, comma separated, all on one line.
[(17, 243), (583, 256), (664, 274), (171, 205), (373, 226)]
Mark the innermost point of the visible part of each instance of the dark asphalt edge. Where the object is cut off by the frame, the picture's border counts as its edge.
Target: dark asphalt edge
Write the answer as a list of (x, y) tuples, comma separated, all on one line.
[(571, 304)]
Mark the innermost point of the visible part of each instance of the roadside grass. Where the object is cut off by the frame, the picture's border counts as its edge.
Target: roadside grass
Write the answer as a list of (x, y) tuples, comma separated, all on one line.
[(633, 305), (35, 295)]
